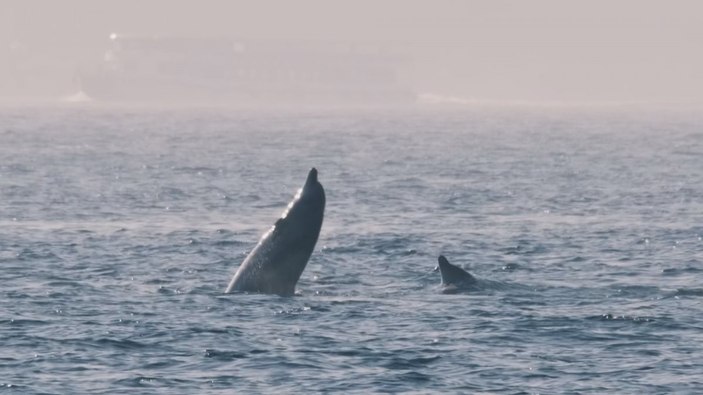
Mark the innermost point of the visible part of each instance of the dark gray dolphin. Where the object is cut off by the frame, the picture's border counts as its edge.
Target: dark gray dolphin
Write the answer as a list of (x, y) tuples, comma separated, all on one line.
[(454, 278), (276, 263)]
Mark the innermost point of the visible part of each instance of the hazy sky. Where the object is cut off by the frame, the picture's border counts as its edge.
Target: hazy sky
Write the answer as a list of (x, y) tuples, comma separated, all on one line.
[(537, 50)]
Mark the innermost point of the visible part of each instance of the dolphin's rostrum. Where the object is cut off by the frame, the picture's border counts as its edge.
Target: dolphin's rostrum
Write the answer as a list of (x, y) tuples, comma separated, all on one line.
[(276, 263)]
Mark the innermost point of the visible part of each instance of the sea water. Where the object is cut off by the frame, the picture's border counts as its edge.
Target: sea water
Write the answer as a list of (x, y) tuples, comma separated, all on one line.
[(120, 229)]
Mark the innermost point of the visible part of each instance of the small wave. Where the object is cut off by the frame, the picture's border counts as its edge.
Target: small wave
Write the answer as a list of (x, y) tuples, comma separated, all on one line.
[(124, 344), (634, 291), (224, 355), (199, 170), (521, 249), (172, 193), (512, 266), (13, 387), (353, 352), (689, 292), (293, 311), (148, 381), (415, 377), (624, 318), (23, 322), (30, 255), (411, 363), (229, 243), (681, 271), (230, 331)]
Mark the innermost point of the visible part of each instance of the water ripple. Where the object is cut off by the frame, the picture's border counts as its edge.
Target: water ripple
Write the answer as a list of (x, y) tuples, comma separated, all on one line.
[(120, 229)]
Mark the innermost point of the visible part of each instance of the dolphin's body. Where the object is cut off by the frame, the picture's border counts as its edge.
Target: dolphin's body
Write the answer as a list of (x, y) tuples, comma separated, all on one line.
[(276, 263), (454, 278)]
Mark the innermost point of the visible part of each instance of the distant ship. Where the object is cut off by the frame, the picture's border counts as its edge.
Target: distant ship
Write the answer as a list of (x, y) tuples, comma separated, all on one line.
[(250, 73)]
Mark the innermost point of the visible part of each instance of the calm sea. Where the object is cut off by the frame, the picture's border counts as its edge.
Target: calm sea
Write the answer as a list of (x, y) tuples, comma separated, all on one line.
[(120, 230)]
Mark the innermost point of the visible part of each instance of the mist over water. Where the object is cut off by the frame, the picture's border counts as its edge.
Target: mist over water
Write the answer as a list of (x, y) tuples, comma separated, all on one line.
[(543, 51)]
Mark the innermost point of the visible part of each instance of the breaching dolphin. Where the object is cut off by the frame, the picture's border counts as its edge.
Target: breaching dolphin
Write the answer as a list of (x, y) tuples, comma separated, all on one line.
[(276, 263), (454, 278)]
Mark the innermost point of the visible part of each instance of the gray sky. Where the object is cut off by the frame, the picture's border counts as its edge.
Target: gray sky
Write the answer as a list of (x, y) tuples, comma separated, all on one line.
[(531, 50)]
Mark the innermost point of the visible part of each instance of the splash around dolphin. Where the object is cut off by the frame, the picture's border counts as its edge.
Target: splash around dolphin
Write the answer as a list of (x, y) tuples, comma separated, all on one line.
[(276, 263), (454, 278)]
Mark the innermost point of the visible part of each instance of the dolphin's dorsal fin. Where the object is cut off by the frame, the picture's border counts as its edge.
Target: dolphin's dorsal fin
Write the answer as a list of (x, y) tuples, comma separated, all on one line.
[(453, 275)]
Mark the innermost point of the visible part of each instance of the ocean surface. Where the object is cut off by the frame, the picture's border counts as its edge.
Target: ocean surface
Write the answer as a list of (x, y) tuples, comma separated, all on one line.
[(121, 228)]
